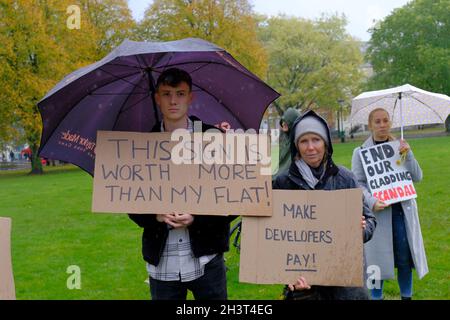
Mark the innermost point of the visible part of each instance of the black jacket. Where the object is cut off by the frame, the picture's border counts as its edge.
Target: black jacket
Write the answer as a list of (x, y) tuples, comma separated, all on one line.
[(208, 234), (335, 178)]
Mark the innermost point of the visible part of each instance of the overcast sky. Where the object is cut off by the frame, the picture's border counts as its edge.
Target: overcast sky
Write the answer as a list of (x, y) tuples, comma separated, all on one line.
[(360, 13)]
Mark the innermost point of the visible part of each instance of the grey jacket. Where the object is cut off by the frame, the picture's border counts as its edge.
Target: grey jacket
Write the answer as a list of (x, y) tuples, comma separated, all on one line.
[(379, 250)]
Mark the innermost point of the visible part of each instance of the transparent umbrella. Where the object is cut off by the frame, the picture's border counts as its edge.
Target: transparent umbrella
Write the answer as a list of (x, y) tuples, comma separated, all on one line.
[(407, 105)]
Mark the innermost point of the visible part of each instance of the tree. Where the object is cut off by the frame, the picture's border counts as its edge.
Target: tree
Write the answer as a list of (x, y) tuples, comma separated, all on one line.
[(112, 20), (311, 63), (412, 45), (227, 23), (6, 132), (37, 51)]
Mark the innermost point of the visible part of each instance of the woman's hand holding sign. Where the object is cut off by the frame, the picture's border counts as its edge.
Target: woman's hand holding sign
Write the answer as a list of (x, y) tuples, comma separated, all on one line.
[(300, 284), (379, 205), (363, 222), (404, 147)]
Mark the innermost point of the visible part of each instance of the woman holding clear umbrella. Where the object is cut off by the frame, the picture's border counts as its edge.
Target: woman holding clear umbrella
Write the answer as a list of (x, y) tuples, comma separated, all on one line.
[(397, 240)]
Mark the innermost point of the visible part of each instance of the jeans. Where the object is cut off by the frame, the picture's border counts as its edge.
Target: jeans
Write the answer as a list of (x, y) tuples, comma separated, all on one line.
[(211, 286), (402, 258)]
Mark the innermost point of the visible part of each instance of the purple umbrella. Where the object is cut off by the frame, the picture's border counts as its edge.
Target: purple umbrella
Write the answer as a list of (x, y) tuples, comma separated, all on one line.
[(116, 93)]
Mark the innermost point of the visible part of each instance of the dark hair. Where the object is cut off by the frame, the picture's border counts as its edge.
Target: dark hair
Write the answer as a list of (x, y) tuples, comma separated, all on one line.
[(173, 77)]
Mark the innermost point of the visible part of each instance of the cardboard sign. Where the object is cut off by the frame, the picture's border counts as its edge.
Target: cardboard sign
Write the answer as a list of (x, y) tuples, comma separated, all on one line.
[(150, 173), (387, 177), (7, 289), (314, 234)]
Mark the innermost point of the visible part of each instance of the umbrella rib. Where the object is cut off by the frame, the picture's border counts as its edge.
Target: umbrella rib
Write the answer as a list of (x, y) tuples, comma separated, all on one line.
[(222, 64), (205, 63), (124, 103), (151, 85), (103, 85), (128, 108), (139, 63), (69, 111), (168, 62), (202, 66), (159, 59), (120, 78), (427, 107), (59, 123), (109, 82), (206, 91), (368, 105), (124, 65), (116, 94), (393, 111)]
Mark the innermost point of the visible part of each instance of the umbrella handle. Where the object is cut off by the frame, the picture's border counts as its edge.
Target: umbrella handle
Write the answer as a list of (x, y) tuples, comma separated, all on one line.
[(152, 88), (401, 115)]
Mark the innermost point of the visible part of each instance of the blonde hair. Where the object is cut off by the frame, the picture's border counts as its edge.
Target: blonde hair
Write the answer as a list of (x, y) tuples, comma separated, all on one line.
[(371, 115)]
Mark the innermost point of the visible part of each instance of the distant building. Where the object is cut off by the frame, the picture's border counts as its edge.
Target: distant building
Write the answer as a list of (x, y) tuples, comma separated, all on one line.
[(366, 67), (271, 117)]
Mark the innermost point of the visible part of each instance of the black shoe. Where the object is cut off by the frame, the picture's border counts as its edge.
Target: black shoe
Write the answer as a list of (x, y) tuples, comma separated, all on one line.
[(406, 298)]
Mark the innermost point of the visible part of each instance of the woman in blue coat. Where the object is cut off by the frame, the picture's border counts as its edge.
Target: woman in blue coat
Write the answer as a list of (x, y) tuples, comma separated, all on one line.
[(312, 168)]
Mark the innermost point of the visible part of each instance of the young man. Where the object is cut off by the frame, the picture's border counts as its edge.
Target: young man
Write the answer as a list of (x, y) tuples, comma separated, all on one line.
[(182, 251)]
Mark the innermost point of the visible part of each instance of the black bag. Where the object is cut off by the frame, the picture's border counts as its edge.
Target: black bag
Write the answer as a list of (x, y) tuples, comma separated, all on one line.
[(311, 294)]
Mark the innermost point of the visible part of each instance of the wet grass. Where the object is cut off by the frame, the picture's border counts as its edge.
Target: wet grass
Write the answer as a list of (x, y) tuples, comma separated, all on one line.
[(54, 228)]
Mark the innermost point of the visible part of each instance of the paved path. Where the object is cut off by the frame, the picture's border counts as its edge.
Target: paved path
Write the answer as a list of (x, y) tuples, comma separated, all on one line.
[(15, 165)]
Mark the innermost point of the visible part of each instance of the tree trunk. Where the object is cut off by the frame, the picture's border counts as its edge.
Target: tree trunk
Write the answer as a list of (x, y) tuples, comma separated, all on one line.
[(278, 108), (36, 165)]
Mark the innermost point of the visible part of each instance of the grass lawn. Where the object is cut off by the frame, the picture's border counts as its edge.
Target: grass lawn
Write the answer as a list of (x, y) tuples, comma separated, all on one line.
[(53, 228)]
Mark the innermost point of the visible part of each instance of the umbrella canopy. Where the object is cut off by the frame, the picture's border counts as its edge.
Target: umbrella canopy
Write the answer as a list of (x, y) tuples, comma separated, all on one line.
[(26, 151), (116, 93), (407, 105)]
